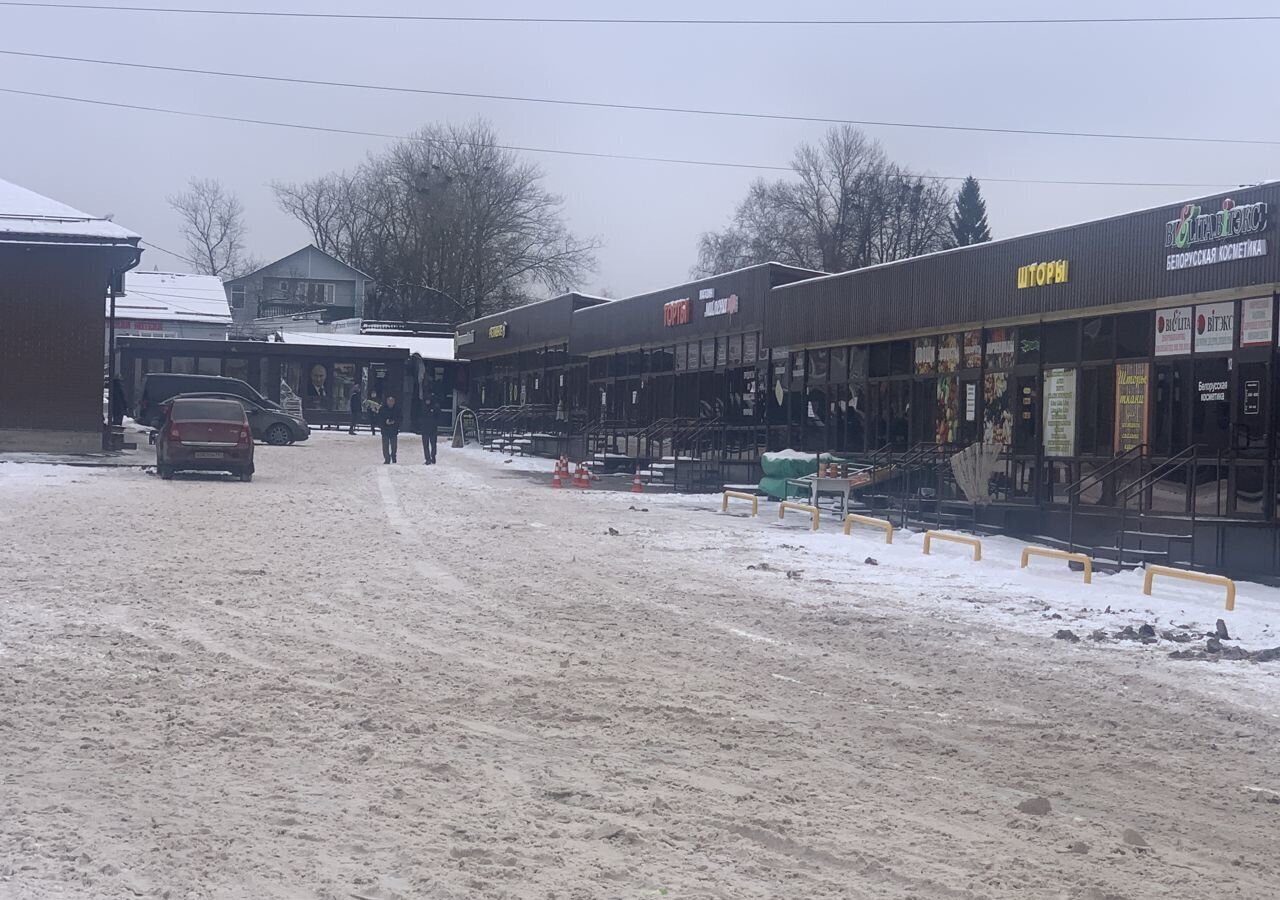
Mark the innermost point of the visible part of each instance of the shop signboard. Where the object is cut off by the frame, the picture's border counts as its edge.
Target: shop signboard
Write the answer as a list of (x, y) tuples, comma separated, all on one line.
[(949, 353), (1174, 328), (465, 337), (1257, 322), (725, 306), (1215, 327), (1040, 274), (1133, 395), (497, 332), (1252, 398), (1196, 238), (1000, 348), (675, 313), (1060, 412), (707, 294)]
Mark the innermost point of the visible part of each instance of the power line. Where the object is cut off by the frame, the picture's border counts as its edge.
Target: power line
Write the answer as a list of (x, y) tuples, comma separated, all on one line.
[(578, 153), (185, 259), (633, 107), (591, 20)]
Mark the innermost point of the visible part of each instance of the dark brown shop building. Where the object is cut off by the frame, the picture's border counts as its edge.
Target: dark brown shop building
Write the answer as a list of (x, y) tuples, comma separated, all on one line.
[(1134, 350)]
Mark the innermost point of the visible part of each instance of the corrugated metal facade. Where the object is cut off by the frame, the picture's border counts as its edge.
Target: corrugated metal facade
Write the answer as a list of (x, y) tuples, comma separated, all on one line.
[(639, 321), (1111, 261), (51, 347), (541, 324)]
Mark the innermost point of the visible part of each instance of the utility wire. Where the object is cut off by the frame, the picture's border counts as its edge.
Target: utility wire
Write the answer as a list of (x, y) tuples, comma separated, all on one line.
[(591, 20), (632, 107), (185, 259), (580, 153)]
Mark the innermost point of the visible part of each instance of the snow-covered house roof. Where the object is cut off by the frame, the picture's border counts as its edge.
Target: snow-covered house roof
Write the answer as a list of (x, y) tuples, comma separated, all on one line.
[(173, 297), (26, 215), (437, 348)]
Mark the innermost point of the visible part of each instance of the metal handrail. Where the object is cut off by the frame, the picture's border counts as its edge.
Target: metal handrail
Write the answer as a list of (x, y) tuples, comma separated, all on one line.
[(1167, 467), (1113, 465)]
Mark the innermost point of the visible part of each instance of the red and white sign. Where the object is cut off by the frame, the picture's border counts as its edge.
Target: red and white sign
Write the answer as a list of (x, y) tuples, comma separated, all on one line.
[(725, 306), (1257, 318), (676, 312), (1174, 328), (1215, 327)]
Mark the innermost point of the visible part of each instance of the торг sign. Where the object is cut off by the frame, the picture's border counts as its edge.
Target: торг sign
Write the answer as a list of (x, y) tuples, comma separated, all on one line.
[(676, 312), (1193, 227)]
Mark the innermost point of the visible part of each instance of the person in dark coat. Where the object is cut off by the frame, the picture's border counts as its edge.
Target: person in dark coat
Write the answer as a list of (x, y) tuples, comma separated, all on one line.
[(357, 405), (427, 425), (119, 404), (389, 419)]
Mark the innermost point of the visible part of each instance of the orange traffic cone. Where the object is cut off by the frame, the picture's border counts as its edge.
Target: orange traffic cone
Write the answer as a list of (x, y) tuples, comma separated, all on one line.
[(637, 487), (556, 482), (583, 478)]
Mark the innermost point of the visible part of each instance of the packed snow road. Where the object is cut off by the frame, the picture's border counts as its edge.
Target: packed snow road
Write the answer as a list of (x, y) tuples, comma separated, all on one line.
[(356, 680)]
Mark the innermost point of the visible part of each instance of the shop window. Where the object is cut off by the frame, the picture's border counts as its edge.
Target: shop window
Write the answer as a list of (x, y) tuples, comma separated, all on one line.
[(708, 354), (949, 354), (183, 365), (598, 367), (971, 349), (1133, 335), (662, 360), (819, 362), (1211, 404), (1028, 344), (207, 365), (635, 362), (1098, 338), (997, 409), (237, 296), (1096, 407), (681, 357), (236, 368), (1059, 342), (1001, 346), (1171, 412), (858, 362), (839, 365), (796, 372), (751, 349), (1027, 420), (1253, 409), (924, 355), (900, 358), (618, 365), (878, 360), (722, 352), (946, 418)]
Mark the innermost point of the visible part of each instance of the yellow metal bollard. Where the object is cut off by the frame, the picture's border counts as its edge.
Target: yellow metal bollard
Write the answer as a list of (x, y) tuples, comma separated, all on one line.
[(1028, 552), (1220, 580), (955, 539), (740, 495), (801, 507), (883, 524)]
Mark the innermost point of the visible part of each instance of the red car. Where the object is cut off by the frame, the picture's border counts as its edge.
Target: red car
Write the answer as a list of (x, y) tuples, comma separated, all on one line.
[(204, 435)]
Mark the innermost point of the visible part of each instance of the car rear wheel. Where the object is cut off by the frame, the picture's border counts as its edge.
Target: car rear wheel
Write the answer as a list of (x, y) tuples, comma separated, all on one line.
[(166, 472), (278, 435), (246, 475)]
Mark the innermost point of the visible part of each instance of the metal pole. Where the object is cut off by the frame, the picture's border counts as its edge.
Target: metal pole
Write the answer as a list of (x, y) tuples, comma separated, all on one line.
[(111, 331)]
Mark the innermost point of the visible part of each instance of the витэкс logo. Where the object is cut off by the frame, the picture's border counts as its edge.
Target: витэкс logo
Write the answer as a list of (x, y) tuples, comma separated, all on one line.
[(1193, 227)]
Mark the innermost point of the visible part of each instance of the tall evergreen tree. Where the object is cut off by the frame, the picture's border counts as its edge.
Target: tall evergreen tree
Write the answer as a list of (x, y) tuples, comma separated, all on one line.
[(969, 218)]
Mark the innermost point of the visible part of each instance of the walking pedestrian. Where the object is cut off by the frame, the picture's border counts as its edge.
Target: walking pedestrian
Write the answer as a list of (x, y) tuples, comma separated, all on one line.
[(389, 419), (119, 403), (356, 404), (371, 406), (427, 419)]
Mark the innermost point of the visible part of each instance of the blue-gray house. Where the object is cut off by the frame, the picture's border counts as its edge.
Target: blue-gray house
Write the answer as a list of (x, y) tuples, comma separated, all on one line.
[(307, 281)]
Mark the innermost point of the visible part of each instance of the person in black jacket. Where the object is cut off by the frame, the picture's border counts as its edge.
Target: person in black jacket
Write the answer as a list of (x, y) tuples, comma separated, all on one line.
[(427, 425), (356, 405), (389, 418)]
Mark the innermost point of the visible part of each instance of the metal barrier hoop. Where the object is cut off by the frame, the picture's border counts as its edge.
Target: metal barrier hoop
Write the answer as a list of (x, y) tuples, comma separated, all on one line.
[(976, 544), (741, 495), (883, 524), (1028, 552), (1220, 580), (801, 507)]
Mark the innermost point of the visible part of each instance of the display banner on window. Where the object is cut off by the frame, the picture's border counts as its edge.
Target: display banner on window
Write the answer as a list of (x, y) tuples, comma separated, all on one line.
[(949, 353), (749, 348), (682, 357), (926, 356), (947, 413), (1215, 327), (1174, 328), (997, 413), (1257, 322), (973, 349), (708, 354), (1133, 394), (1000, 348), (1060, 412)]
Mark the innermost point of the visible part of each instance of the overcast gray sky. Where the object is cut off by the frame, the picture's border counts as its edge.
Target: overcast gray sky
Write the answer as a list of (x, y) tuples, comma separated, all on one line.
[(1194, 79)]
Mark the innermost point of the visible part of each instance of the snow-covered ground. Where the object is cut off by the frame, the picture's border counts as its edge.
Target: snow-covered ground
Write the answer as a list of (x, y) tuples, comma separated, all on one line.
[(354, 680)]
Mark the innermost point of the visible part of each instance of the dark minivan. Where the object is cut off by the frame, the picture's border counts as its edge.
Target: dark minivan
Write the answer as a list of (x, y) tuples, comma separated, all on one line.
[(159, 387)]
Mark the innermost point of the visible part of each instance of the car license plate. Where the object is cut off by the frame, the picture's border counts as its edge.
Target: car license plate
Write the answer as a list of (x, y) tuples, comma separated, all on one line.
[(213, 454)]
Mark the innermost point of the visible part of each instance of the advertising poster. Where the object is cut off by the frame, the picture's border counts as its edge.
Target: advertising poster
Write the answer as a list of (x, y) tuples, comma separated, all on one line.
[(682, 357), (973, 349), (946, 422), (1000, 348), (926, 356), (1215, 327), (997, 415), (1256, 317), (949, 353), (1133, 396), (1173, 331), (708, 354), (971, 401), (1060, 412)]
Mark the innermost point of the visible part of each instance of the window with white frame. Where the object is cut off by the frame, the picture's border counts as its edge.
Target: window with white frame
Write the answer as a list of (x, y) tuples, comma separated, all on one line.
[(237, 296)]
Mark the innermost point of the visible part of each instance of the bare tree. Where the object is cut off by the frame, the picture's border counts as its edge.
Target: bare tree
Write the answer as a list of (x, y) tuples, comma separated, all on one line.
[(450, 225), (847, 207), (213, 225)]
